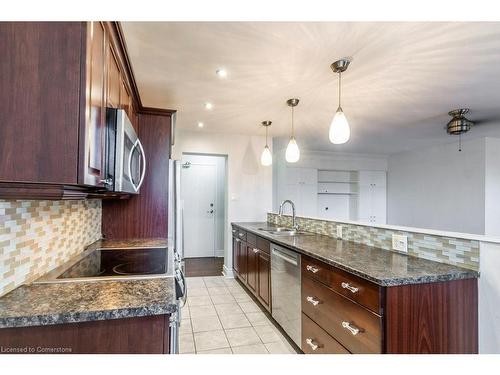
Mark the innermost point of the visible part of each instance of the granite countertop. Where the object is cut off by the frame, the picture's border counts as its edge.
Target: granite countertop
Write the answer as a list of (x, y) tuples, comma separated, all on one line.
[(72, 302), (383, 267)]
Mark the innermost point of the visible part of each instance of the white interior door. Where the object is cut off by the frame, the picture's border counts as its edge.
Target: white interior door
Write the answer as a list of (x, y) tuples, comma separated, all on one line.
[(199, 194)]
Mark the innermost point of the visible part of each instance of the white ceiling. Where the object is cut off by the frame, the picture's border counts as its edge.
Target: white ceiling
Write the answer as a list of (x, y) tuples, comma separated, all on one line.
[(402, 81)]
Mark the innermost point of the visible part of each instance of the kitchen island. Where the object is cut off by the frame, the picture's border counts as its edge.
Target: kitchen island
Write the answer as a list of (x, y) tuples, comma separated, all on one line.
[(361, 299)]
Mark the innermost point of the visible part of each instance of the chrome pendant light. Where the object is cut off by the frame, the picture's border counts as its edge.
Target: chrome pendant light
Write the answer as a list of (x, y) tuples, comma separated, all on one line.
[(292, 154), (266, 158), (340, 131)]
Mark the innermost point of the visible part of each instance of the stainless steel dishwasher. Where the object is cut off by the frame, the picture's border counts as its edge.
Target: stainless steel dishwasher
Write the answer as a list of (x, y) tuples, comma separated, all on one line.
[(286, 289)]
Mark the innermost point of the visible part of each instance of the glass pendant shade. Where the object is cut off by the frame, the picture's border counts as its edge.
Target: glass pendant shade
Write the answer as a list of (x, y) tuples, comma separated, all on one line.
[(292, 153), (266, 158), (340, 131)]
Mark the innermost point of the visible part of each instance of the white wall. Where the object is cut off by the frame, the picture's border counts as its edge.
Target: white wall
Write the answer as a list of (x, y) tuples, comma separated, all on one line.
[(438, 188), (220, 200), (249, 184), (489, 262)]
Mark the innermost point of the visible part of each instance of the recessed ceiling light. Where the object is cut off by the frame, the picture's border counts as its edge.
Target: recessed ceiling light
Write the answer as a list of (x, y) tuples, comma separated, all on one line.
[(221, 72), (200, 124), (209, 105)]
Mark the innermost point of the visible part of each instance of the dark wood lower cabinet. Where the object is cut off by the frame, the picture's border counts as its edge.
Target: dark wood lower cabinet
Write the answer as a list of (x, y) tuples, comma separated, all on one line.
[(344, 313), (236, 254), (264, 279), (142, 335), (242, 261), (432, 318), (252, 264), (357, 328), (252, 256)]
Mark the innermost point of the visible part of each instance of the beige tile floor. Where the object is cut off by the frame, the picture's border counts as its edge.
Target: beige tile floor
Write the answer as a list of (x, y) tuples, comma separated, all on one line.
[(221, 318)]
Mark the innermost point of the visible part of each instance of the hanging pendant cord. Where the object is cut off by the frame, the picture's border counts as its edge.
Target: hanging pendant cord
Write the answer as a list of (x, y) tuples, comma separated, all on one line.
[(293, 130), (266, 136), (340, 87)]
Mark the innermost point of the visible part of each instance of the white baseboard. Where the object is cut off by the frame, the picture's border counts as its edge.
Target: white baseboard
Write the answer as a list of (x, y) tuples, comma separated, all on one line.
[(228, 273), (219, 253)]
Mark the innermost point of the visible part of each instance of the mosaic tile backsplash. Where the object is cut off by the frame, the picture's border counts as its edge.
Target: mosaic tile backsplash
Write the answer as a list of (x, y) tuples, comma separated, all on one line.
[(455, 251), (37, 236)]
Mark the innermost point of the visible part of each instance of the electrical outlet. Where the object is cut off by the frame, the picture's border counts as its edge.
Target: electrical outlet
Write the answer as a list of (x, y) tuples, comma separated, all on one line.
[(339, 231), (400, 242)]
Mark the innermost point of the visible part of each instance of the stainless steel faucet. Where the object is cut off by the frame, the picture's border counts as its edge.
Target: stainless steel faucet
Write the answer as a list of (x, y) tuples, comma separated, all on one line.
[(294, 220)]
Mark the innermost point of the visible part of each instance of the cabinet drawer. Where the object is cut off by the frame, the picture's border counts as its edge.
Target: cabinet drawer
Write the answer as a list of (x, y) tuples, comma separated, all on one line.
[(251, 239), (356, 328), (315, 340), (360, 290), (317, 270), (353, 287), (263, 244)]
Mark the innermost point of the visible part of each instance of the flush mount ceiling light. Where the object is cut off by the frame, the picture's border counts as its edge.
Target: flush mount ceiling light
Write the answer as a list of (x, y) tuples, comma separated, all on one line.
[(209, 106), (339, 127), (200, 124), (266, 158), (222, 73), (292, 154)]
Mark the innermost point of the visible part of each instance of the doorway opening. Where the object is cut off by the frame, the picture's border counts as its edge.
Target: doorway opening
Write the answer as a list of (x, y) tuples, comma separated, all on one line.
[(203, 193)]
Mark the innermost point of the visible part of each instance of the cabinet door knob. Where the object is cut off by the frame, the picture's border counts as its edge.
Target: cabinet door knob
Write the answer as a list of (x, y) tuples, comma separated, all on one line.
[(313, 301), (255, 250), (312, 269), (312, 344), (352, 328), (237, 240), (348, 286), (240, 234)]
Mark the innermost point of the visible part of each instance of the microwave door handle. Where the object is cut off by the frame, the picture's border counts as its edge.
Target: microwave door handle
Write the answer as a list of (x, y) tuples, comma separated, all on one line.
[(143, 173), (130, 165)]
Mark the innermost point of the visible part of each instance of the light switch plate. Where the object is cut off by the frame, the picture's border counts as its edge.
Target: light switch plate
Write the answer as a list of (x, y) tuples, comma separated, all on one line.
[(400, 243), (339, 231)]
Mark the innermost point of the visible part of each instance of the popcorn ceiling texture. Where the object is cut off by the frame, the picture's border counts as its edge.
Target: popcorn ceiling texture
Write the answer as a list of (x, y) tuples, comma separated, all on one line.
[(455, 251), (37, 236)]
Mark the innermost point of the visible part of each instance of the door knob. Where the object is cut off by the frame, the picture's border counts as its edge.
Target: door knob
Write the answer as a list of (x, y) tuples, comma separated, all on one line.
[(210, 211)]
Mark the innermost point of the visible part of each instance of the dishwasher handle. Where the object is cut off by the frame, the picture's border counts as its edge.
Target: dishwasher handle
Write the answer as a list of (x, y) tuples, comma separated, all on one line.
[(286, 256)]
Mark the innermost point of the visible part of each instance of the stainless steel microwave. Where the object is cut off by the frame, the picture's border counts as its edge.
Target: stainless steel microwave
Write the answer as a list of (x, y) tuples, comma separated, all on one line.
[(125, 157)]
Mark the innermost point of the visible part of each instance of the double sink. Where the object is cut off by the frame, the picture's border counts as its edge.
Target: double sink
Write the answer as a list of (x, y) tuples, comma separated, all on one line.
[(285, 232)]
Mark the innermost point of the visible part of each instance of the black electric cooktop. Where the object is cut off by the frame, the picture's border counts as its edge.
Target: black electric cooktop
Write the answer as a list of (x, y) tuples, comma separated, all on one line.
[(119, 262)]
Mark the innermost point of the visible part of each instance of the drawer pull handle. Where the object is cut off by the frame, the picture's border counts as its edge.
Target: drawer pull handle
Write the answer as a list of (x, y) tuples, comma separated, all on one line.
[(237, 239), (255, 250), (354, 330), (312, 269), (312, 344), (353, 289), (241, 234), (313, 301)]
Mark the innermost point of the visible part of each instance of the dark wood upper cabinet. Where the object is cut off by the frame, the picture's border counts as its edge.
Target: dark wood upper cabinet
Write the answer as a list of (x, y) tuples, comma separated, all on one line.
[(57, 78), (113, 80), (40, 101), (93, 129)]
